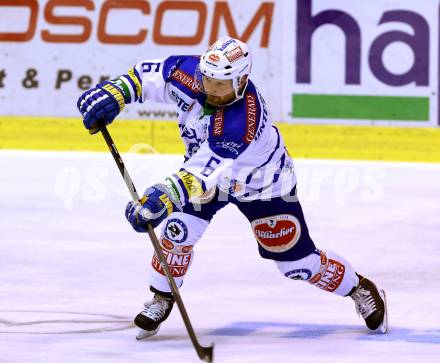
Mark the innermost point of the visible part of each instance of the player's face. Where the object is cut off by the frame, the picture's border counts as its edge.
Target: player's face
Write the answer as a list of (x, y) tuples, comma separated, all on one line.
[(219, 92)]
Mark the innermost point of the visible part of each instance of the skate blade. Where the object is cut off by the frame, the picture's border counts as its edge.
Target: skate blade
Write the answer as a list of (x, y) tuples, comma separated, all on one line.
[(144, 334), (383, 328)]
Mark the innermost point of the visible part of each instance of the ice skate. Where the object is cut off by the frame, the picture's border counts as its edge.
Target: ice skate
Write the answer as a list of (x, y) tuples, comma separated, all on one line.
[(155, 312), (371, 304)]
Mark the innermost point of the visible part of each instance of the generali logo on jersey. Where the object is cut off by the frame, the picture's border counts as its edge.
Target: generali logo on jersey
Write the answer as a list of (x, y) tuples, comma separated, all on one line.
[(277, 233), (251, 118)]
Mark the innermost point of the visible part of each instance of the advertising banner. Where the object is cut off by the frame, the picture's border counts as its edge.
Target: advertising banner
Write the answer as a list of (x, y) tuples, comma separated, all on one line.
[(362, 62), (51, 51), (316, 61)]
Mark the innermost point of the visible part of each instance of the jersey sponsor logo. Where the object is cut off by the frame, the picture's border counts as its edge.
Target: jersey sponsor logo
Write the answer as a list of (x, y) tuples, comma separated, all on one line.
[(277, 233), (176, 231), (299, 274), (330, 278), (263, 126), (251, 118), (184, 106), (177, 263), (264, 118), (219, 121), (235, 54), (185, 80), (231, 146), (191, 183), (168, 245)]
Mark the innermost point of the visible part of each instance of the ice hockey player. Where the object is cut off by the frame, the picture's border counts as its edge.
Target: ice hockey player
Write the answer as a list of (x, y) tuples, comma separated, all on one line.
[(234, 154)]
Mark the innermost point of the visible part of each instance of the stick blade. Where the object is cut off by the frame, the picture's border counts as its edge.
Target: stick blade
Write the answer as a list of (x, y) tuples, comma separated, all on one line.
[(206, 354)]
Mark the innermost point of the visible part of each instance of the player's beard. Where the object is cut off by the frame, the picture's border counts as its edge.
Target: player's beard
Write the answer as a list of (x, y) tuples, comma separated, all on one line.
[(220, 100), (214, 100)]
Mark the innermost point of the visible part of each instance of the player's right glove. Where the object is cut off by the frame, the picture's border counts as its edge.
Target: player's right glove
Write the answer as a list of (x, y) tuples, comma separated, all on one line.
[(100, 105), (152, 209)]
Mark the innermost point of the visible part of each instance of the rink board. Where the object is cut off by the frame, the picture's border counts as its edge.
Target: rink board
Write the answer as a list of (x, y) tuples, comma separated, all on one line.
[(74, 273), (152, 136)]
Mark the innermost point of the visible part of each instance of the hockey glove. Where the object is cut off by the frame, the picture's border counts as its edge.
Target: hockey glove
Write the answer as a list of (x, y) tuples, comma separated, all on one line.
[(152, 209), (100, 105)]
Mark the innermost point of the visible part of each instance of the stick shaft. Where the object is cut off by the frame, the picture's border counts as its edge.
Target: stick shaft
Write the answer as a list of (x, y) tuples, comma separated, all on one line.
[(204, 353)]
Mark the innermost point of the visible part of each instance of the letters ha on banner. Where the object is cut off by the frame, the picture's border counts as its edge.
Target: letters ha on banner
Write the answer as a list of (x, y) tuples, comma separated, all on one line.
[(360, 62)]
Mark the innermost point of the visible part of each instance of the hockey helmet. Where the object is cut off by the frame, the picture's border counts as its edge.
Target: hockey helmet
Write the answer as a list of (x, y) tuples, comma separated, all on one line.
[(227, 58)]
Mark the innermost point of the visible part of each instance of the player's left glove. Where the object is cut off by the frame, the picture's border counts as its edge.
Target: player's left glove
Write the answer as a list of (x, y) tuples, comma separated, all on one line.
[(100, 105), (152, 209)]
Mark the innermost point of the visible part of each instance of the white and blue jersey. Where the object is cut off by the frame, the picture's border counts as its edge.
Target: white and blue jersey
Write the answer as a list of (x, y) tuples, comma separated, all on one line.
[(234, 147)]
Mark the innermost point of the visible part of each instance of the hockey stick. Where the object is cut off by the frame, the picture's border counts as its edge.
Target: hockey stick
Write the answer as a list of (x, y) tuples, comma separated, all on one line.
[(204, 353)]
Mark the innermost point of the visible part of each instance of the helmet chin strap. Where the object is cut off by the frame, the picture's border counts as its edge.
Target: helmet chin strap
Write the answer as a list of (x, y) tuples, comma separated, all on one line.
[(239, 96)]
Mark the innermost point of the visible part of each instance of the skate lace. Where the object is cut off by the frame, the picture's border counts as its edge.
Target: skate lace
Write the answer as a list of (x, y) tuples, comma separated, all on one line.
[(155, 309), (364, 302)]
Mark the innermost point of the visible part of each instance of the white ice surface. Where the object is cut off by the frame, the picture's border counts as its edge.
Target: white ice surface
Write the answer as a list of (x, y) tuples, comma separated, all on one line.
[(73, 272)]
